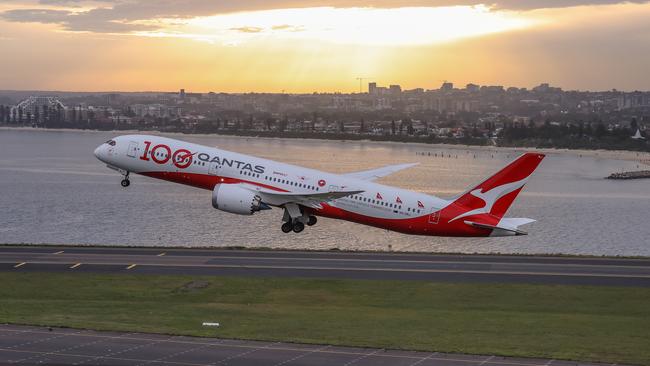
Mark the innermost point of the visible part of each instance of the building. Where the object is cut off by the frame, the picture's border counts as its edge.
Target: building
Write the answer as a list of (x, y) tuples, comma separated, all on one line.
[(372, 88), (35, 105), (472, 88)]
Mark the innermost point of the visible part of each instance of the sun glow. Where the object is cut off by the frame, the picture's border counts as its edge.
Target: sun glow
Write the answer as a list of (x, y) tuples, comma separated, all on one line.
[(363, 26)]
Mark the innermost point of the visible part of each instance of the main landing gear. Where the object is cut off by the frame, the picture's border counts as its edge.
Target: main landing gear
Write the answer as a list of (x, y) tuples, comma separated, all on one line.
[(295, 219), (295, 226), (125, 182)]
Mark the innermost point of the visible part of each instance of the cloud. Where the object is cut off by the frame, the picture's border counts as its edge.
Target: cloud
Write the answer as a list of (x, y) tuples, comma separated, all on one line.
[(96, 20), (288, 28), (127, 15), (248, 29), (71, 2), (36, 15)]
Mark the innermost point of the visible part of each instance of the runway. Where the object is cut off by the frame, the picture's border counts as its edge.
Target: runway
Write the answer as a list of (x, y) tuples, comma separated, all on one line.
[(385, 266), (26, 345)]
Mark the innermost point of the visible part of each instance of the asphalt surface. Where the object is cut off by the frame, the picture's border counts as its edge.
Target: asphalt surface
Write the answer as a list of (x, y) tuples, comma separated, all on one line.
[(25, 345), (397, 266)]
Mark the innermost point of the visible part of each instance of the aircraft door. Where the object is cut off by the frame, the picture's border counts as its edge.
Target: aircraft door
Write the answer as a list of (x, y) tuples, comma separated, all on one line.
[(132, 151), (213, 168), (434, 217)]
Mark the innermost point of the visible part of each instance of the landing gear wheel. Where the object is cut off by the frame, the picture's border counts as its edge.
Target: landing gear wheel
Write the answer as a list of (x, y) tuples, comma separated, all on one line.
[(312, 221), (287, 227), (298, 227), (125, 183)]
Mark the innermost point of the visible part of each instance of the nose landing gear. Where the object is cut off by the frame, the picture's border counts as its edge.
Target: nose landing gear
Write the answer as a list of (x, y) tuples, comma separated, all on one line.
[(125, 182)]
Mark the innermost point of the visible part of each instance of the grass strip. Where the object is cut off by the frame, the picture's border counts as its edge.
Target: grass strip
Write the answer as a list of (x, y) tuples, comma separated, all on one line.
[(586, 323)]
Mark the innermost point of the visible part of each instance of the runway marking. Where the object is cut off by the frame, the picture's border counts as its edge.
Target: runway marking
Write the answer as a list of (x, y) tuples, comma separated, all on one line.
[(424, 262), (123, 351), (57, 336), (20, 264), (361, 357), (244, 266), (57, 352), (134, 337), (82, 356), (59, 252), (131, 266), (75, 266), (488, 360), (315, 350), (164, 358), (423, 359), (256, 348)]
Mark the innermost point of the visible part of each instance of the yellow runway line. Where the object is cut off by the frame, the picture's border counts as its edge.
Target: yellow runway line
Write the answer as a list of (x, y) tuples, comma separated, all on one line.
[(131, 266)]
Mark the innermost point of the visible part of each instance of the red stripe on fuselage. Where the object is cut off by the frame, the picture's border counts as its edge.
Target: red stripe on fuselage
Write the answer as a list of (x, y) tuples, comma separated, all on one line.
[(420, 225)]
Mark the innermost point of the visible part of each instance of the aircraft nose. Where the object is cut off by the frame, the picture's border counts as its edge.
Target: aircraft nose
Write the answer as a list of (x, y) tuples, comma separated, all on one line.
[(98, 152)]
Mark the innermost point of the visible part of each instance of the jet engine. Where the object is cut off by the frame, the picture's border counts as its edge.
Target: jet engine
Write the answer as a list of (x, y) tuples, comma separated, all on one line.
[(235, 199)]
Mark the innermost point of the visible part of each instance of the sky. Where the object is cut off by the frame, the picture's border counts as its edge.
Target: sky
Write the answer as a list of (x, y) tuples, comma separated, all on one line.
[(321, 46)]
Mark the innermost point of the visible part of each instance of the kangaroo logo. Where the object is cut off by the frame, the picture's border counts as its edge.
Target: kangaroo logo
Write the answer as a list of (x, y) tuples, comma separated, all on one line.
[(490, 197)]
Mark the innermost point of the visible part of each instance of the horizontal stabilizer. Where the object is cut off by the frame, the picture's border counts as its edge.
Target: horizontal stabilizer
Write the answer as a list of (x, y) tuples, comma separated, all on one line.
[(505, 227)]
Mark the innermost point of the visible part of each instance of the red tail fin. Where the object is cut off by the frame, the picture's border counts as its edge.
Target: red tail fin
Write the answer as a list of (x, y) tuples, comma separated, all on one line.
[(495, 195)]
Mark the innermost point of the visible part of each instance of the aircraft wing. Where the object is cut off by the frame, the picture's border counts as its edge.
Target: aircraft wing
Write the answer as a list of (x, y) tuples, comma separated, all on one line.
[(308, 199), (373, 174)]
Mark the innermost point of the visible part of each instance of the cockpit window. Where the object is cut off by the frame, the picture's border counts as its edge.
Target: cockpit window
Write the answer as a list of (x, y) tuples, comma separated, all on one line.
[(111, 142)]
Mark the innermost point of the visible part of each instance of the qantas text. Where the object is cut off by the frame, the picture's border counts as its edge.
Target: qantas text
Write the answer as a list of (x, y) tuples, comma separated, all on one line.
[(182, 158)]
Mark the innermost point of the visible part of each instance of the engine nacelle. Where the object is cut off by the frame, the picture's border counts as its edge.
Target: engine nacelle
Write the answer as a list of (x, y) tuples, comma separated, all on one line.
[(235, 199)]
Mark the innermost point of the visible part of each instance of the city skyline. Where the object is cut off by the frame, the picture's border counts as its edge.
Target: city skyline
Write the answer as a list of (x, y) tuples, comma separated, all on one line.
[(285, 46)]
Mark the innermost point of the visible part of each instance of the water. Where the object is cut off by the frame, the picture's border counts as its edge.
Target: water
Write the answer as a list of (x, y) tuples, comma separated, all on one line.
[(53, 190)]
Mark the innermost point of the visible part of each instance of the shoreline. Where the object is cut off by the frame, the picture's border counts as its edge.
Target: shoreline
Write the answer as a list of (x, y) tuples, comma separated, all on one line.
[(626, 155)]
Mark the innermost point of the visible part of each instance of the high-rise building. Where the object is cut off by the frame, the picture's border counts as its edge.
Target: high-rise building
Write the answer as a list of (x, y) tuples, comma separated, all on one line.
[(372, 88), (471, 87), (395, 89), (181, 94)]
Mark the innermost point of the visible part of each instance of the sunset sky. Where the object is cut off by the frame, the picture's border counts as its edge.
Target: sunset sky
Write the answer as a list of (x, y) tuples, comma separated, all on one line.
[(314, 45)]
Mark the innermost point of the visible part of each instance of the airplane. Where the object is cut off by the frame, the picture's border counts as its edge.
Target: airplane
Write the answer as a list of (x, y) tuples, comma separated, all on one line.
[(245, 185)]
